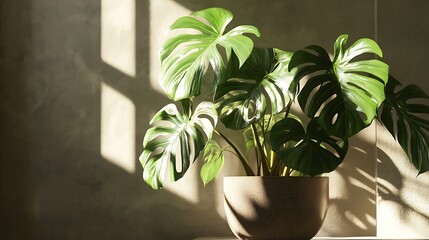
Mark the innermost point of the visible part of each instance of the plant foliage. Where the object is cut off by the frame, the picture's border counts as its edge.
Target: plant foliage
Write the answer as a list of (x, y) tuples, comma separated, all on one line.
[(254, 89), (213, 162), (344, 95), (313, 152), (262, 80), (185, 57), (403, 117), (172, 134)]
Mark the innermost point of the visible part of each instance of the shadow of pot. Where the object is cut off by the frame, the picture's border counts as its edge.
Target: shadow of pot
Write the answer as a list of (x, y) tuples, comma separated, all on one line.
[(275, 207)]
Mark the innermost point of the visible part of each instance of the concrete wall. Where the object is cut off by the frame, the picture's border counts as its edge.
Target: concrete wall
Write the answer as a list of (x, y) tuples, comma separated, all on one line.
[(402, 209), (79, 86)]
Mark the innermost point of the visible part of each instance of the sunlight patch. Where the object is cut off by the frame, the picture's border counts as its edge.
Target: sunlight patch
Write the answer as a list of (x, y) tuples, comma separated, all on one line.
[(117, 129), (118, 35)]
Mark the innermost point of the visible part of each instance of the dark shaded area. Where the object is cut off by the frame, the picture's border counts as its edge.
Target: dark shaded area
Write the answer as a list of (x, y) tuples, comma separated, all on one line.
[(291, 25), (403, 35), (16, 186)]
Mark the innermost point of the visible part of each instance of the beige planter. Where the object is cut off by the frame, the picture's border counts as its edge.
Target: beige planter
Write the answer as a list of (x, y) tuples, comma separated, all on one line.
[(276, 207)]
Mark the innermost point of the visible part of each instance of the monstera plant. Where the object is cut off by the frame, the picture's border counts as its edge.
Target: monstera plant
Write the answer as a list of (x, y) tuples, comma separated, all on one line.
[(252, 91)]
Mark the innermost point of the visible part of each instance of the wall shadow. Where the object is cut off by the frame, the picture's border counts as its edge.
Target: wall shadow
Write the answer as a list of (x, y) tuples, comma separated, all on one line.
[(395, 193), (352, 210), (16, 187), (291, 25)]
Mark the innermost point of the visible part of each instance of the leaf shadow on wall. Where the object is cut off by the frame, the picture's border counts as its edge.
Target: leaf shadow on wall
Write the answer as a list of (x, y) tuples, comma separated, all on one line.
[(395, 190), (352, 209)]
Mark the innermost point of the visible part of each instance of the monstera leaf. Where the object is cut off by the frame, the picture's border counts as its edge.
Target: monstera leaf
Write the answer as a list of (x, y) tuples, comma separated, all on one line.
[(403, 117), (313, 152), (185, 57), (345, 95), (245, 93), (213, 162), (175, 140)]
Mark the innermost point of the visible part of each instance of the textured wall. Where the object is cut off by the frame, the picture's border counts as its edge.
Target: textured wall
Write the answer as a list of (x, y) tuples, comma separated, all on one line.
[(403, 32), (79, 86)]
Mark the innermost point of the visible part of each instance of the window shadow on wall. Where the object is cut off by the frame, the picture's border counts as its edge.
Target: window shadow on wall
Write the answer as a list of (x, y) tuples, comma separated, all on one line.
[(352, 210), (401, 196)]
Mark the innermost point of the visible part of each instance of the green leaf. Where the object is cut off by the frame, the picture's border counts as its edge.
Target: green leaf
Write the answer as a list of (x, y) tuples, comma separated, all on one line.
[(313, 152), (186, 57), (344, 95), (175, 141), (407, 121), (262, 81), (214, 159)]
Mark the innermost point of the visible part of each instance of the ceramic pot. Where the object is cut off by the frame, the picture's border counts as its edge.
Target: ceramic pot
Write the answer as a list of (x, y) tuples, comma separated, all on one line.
[(275, 207)]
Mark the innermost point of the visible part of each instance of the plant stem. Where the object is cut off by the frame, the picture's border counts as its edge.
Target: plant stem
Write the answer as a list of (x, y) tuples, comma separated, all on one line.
[(264, 160), (289, 172), (275, 170), (258, 159), (289, 105), (240, 156), (265, 142)]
